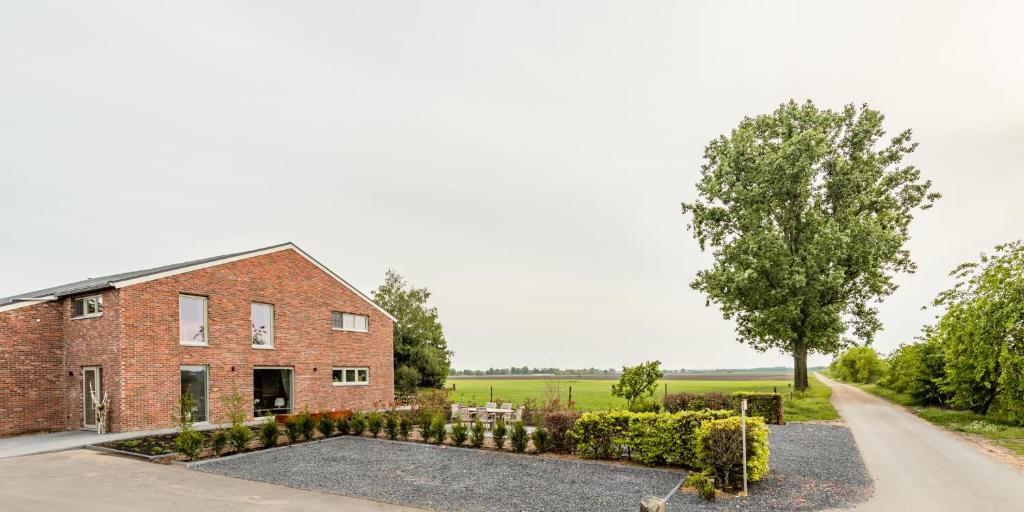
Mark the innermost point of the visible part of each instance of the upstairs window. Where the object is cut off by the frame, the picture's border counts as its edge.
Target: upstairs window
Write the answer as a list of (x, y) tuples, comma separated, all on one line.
[(350, 376), (262, 325), (87, 307), (349, 322), (192, 322)]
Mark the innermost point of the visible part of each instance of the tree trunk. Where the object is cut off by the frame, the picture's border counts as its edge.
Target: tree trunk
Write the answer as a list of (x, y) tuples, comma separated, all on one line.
[(800, 366)]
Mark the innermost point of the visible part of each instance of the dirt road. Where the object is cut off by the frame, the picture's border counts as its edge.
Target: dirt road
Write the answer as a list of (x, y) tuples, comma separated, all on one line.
[(917, 466)]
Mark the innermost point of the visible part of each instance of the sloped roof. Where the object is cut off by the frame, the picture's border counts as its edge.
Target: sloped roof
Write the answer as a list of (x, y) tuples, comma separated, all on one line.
[(137, 276)]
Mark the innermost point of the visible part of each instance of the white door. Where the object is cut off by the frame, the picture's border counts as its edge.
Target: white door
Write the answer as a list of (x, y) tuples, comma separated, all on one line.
[(92, 391)]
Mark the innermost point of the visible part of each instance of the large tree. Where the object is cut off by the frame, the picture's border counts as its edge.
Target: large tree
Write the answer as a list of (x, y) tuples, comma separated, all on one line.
[(422, 357), (807, 212)]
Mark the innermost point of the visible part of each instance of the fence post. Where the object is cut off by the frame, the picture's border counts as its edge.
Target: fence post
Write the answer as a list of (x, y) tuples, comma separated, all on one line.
[(666, 392), (492, 394), (743, 428), (570, 395)]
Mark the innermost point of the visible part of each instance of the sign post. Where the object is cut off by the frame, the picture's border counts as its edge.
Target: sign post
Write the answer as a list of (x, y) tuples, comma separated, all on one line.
[(743, 429)]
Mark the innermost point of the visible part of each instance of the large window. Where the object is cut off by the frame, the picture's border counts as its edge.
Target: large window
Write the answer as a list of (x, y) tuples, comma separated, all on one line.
[(87, 307), (272, 391), (194, 380), (192, 320), (349, 322), (262, 325), (350, 376)]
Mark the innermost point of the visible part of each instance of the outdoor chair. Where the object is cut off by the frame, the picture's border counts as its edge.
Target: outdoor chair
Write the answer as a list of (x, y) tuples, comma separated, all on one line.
[(465, 415), (492, 405), (483, 416), (519, 413)]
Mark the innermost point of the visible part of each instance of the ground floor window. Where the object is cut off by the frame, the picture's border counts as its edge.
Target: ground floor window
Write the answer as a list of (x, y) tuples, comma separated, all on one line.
[(350, 376), (272, 391), (194, 381)]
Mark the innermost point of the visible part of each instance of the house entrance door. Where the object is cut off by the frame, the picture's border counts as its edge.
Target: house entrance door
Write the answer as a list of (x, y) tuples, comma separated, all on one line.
[(92, 391)]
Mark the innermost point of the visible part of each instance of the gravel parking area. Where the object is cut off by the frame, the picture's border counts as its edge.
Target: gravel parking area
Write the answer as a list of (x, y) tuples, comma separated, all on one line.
[(445, 478), (812, 467)]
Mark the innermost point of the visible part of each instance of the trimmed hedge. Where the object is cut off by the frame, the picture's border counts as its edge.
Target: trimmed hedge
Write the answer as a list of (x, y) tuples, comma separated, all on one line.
[(766, 405), (559, 423), (649, 438), (719, 446)]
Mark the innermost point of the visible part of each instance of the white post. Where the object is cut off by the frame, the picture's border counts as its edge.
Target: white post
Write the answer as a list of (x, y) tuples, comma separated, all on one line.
[(743, 428)]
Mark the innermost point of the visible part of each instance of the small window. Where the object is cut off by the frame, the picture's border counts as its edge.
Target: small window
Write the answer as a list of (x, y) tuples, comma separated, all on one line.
[(262, 325), (350, 376), (349, 322), (87, 307), (192, 322)]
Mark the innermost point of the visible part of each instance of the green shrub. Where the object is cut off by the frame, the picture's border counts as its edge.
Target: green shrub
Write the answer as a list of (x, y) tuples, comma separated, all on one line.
[(541, 439), (518, 437), (325, 425), (499, 434), (391, 427), (858, 364), (189, 443), (358, 424), (703, 484), (292, 429), (374, 423), (269, 432), (649, 438), (720, 450), (438, 427), (240, 436), (344, 426), (766, 405), (918, 370), (404, 427), (426, 427), (558, 424), (306, 425), (676, 402), (645, 405), (218, 441), (476, 435), (460, 432)]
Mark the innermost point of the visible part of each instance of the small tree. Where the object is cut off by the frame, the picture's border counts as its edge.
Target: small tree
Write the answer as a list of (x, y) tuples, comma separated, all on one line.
[(638, 382)]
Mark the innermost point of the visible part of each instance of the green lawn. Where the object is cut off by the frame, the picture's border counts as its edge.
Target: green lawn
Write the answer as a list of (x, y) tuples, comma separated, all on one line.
[(1000, 433), (593, 394)]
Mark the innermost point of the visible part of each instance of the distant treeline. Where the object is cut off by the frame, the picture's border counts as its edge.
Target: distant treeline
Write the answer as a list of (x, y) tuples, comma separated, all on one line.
[(526, 370)]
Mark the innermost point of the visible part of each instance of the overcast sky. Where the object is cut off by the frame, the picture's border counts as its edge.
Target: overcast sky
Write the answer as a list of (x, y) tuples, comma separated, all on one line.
[(525, 161)]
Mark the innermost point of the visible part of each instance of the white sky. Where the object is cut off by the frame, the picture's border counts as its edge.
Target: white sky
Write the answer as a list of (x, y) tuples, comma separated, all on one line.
[(523, 160)]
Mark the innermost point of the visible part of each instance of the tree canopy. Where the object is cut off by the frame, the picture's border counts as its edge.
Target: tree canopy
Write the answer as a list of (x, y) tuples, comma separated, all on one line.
[(637, 382), (421, 353), (807, 213)]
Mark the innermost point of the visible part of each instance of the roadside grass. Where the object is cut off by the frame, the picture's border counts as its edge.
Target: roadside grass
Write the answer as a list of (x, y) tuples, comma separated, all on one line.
[(998, 432), (594, 395)]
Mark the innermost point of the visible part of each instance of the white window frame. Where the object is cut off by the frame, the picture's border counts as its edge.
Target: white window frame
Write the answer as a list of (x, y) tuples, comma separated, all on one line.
[(344, 382), (269, 343), (343, 315), (84, 299), (206, 321), (194, 367)]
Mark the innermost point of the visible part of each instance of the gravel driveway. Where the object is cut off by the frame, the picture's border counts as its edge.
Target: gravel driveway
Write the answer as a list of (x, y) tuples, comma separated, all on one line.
[(445, 478), (811, 467)]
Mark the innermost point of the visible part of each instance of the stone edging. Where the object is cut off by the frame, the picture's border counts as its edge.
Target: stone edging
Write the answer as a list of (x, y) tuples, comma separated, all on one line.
[(115, 451)]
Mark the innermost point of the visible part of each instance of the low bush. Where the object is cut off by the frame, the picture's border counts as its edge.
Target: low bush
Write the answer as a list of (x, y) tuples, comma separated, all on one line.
[(676, 402), (649, 438), (404, 427), (645, 405), (325, 425), (189, 443), (702, 483), (720, 450), (291, 429), (391, 427), (344, 426), (541, 439), (476, 435), (218, 441), (357, 425), (306, 425), (374, 423), (269, 432), (426, 427), (766, 405), (499, 434), (437, 426), (558, 424), (240, 436), (518, 437), (459, 433)]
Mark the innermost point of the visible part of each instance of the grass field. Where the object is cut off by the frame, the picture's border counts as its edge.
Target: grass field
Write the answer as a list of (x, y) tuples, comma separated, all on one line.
[(593, 395)]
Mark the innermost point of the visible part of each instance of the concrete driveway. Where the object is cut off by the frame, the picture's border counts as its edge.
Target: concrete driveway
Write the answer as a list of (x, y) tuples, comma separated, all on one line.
[(89, 481), (917, 466)]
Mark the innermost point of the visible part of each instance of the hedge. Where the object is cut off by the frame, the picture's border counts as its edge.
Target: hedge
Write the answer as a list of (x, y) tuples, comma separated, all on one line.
[(719, 445), (766, 405), (647, 437)]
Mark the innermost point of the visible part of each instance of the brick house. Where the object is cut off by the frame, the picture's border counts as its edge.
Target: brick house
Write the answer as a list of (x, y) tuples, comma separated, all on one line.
[(273, 324)]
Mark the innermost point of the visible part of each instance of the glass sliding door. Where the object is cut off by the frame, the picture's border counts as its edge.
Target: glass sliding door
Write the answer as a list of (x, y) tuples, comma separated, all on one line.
[(272, 391), (194, 381), (92, 392)]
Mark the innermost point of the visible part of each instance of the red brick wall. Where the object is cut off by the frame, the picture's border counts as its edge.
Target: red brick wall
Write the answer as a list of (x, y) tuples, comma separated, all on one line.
[(303, 297), (92, 341), (30, 382)]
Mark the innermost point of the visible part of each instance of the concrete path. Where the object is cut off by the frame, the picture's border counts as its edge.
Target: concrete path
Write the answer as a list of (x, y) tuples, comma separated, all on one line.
[(917, 466), (89, 481)]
